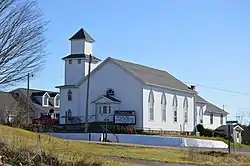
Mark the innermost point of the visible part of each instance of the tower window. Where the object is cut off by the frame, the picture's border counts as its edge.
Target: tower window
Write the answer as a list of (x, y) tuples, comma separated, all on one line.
[(69, 95), (70, 61), (79, 61)]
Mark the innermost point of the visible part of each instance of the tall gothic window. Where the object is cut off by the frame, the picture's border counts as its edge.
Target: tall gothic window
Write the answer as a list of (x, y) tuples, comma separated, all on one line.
[(69, 95), (163, 107), (175, 104), (185, 108), (151, 105), (201, 114)]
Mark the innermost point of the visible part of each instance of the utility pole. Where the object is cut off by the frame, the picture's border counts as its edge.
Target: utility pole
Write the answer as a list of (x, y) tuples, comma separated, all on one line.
[(28, 99), (87, 98)]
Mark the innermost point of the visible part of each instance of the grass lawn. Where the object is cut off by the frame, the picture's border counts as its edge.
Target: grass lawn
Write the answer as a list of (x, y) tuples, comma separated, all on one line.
[(70, 150)]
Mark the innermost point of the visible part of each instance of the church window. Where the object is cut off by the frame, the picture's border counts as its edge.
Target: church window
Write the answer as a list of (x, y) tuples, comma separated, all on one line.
[(163, 107), (79, 61), (185, 108), (69, 95), (70, 61), (201, 114), (151, 105), (175, 104)]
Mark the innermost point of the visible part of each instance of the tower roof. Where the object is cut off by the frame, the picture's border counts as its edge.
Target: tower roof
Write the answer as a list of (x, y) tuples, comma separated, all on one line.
[(82, 34)]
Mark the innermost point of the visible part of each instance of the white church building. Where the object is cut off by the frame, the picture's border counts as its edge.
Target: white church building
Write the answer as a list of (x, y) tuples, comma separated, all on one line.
[(128, 93)]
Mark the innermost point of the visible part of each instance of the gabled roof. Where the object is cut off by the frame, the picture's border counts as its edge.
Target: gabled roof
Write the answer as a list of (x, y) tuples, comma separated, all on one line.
[(211, 108), (72, 56), (8, 101), (146, 75), (82, 34), (154, 77), (199, 99)]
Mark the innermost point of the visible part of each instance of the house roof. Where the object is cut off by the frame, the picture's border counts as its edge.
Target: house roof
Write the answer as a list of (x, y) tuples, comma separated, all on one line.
[(82, 34), (112, 98), (225, 127), (211, 108), (152, 76), (199, 99), (72, 56), (7, 101)]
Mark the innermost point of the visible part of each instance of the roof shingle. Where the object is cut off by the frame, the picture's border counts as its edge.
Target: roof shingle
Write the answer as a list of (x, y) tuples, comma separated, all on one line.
[(82, 34)]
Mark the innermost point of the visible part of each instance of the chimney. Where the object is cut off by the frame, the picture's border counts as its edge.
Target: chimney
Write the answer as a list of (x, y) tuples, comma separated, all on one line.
[(192, 87)]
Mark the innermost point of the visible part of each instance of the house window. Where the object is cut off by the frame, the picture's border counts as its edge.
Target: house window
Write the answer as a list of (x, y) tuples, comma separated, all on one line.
[(57, 100), (69, 95), (221, 119), (185, 108), (46, 99), (70, 61), (201, 114), (163, 107), (211, 119), (110, 92), (104, 109), (151, 105), (79, 61), (100, 109), (175, 104)]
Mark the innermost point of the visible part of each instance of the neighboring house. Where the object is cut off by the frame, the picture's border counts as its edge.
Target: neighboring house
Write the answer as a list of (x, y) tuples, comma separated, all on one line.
[(8, 107), (123, 92), (41, 102), (209, 115), (235, 130)]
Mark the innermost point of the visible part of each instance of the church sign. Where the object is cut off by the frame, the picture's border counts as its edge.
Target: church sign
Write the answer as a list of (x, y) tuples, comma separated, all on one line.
[(125, 117)]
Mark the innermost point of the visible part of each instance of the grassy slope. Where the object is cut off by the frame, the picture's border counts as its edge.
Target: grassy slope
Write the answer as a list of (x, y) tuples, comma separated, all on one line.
[(69, 150)]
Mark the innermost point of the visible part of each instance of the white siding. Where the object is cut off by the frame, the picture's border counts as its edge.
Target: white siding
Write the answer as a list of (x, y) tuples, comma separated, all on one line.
[(93, 66), (126, 87), (74, 72), (169, 125), (77, 46), (88, 48), (65, 105), (216, 121)]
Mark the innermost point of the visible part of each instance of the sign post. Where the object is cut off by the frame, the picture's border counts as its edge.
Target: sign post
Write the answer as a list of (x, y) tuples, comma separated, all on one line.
[(229, 123)]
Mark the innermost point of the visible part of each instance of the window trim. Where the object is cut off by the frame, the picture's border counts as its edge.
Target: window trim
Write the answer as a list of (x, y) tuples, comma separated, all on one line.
[(163, 108), (151, 106), (201, 115), (46, 95), (55, 98), (175, 109), (185, 108)]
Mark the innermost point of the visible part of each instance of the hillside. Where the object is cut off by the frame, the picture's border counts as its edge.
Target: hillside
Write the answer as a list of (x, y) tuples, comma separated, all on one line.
[(111, 154)]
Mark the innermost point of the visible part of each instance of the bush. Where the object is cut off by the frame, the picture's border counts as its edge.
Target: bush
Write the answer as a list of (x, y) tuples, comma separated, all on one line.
[(204, 132)]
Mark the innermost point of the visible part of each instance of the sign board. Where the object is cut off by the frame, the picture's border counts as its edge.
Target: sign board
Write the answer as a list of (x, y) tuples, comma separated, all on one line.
[(232, 121), (125, 117)]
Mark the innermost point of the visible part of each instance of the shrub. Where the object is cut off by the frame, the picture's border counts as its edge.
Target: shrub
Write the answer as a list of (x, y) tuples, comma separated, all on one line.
[(204, 132)]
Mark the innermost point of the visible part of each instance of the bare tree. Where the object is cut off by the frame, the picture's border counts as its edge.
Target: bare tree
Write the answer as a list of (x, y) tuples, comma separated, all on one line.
[(22, 41)]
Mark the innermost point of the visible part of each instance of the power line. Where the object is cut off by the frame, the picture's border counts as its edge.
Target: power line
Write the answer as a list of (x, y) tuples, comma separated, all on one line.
[(220, 89)]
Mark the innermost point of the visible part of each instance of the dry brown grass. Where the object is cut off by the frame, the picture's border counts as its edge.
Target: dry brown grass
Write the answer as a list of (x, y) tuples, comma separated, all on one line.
[(75, 151)]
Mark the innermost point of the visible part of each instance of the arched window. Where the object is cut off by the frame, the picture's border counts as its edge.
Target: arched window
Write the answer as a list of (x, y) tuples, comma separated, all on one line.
[(57, 100), (175, 104), (201, 114), (185, 108), (69, 95), (151, 105), (110, 92), (163, 107), (46, 99)]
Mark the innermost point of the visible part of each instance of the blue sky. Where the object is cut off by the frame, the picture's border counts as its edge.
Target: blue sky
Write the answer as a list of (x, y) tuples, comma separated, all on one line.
[(203, 42)]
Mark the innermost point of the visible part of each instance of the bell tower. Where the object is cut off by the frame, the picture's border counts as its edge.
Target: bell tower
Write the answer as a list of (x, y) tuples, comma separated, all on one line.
[(76, 63)]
